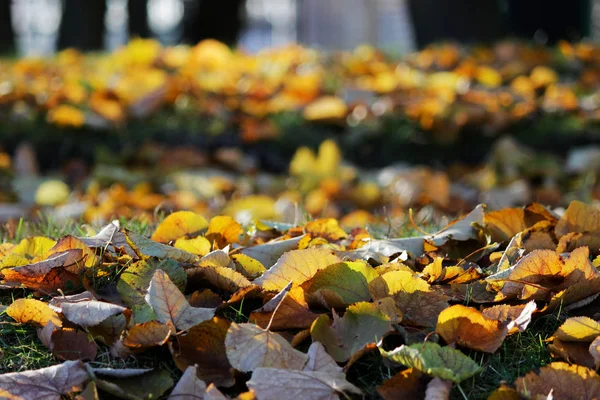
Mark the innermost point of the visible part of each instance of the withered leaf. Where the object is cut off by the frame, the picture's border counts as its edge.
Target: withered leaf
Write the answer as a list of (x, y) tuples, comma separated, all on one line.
[(296, 265), (147, 334), (250, 347), (46, 383), (171, 306), (362, 324), (565, 381), (204, 346), (189, 386), (275, 384)]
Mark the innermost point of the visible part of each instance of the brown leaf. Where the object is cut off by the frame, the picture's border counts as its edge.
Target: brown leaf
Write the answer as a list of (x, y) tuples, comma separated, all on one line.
[(189, 386), (171, 306), (204, 346), (249, 347), (147, 334), (565, 381), (405, 384), (572, 352), (72, 344), (46, 383), (276, 384), (579, 217), (293, 313)]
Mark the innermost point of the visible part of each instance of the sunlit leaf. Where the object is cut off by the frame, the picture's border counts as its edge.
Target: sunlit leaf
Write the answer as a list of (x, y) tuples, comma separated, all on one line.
[(435, 360), (178, 225)]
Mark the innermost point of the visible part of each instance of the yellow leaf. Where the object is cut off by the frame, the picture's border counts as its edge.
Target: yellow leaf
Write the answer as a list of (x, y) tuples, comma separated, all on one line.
[(578, 329), (326, 108), (394, 282), (296, 265), (327, 228), (198, 245), (52, 193), (467, 327), (26, 251), (178, 225), (223, 230), (30, 311)]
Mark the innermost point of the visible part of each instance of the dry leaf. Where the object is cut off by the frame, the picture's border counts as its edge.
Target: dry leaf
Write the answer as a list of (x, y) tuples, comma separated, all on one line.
[(405, 384), (275, 384), (30, 311), (148, 334), (249, 347), (171, 306), (189, 386), (46, 383), (296, 265), (177, 225), (362, 324), (204, 346), (565, 381)]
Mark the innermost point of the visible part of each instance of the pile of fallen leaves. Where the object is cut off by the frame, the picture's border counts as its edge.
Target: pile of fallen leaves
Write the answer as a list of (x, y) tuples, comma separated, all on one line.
[(443, 88), (312, 300)]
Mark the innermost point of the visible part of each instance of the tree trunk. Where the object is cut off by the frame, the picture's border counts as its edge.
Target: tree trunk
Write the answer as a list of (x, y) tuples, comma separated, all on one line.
[(138, 18), (220, 20), (461, 20), (82, 25), (7, 37)]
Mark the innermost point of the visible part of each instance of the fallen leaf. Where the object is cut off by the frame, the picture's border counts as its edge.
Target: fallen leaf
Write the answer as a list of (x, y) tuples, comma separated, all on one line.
[(46, 383), (296, 265), (320, 361), (341, 284), (250, 347), (405, 384), (293, 312), (438, 389), (327, 228), (248, 266), (89, 312), (147, 334), (199, 245), (73, 344), (362, 324), (275, 384), (579, 217), (563, 380), (435, 360), (177, 225), (31, 311), (268, 254), (189, 386), (171, 306), (134, 281), (223, 230), (148, 385), (145, 247), (578, 329), (204, 346), (594, 350)]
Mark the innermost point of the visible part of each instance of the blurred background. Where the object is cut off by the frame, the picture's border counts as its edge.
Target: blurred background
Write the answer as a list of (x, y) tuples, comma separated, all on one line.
[(39, 27)]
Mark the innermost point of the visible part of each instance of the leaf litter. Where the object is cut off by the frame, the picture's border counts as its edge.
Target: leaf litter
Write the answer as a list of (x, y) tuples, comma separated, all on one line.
[(314, 311)]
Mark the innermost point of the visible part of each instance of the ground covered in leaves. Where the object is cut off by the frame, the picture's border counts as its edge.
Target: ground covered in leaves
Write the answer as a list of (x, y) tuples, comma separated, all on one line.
[(497, 303)]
